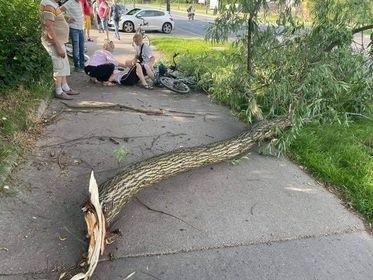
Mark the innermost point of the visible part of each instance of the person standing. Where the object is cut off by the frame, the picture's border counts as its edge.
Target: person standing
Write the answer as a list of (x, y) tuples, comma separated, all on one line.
[(116, 12), (87, 19), (96, 5), (55, 33), (104, 13), (75, 20)]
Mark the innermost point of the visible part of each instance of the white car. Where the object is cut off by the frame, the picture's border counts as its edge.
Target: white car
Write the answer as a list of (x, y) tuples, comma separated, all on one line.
[(156, 20)]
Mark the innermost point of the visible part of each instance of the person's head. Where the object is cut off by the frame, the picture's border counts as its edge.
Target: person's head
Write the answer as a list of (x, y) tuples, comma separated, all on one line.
[(137, 39), (109, 45)]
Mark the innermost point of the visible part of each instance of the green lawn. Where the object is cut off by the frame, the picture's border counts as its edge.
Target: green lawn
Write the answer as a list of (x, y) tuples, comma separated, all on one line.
[(339, 155), (342, 157)]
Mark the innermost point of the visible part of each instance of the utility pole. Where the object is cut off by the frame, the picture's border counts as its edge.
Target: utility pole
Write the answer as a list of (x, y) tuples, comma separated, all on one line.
[(168, 8)]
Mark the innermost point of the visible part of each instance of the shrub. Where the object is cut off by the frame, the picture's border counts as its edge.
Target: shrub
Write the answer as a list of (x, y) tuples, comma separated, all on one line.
[(22, 57)]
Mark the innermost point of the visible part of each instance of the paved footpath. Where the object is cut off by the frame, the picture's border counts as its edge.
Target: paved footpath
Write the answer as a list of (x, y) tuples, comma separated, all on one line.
[(261, 219)]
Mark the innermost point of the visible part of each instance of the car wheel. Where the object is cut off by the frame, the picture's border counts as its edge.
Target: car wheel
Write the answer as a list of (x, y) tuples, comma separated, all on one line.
[(167, 27), (128, 26)]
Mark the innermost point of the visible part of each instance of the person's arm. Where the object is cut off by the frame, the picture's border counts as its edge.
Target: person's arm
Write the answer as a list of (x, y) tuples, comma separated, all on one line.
[(148, 53), (106, 11), (48, 26)]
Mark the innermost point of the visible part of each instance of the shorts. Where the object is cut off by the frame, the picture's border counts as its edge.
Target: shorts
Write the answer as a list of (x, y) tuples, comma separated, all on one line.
[(105, 23), (87, 22), (101, 72), (130, 78), (61, 66)]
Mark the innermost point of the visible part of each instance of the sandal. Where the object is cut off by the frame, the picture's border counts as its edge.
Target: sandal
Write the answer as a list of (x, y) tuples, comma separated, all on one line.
[(146, 86), (108, 84)]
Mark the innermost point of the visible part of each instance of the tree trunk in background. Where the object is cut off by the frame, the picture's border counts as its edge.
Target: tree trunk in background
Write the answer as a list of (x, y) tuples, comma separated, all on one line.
[(168, 5), (249, 44)]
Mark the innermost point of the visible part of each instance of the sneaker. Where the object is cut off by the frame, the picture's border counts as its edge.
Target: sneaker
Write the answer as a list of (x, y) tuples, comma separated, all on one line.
[(71, 92), (63, 96), (90, 40)]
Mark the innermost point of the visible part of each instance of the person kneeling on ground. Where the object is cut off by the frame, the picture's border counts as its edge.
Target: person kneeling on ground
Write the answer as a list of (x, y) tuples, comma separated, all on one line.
[(102, 65)]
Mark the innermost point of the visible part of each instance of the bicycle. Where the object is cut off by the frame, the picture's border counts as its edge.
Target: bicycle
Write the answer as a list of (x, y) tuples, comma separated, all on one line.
[(69, 51), (168, 77)]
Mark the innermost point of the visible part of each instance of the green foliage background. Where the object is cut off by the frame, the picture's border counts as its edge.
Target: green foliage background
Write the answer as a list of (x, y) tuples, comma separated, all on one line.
[(22, 57)]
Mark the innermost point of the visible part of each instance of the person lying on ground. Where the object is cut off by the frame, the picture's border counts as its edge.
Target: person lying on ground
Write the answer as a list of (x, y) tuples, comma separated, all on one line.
[(101, 67), (144, 56), (130, 76)]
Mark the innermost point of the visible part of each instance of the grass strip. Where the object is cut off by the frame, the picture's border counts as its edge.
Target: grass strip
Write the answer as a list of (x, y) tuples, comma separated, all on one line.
[(341, 156), (18, 120)]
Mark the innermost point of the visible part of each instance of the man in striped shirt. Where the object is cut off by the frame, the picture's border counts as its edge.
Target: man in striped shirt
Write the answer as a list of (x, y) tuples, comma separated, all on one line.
[(55, 33)]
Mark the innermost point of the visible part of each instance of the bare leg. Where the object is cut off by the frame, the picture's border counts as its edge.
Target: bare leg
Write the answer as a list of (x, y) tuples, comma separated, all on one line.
[(140, 74), (88, 37), (107, 33), (58, 81), (149, 71)]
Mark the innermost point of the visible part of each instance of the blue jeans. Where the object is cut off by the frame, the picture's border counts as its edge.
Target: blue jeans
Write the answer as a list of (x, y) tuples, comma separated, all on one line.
[(77, 40), (116, 26)]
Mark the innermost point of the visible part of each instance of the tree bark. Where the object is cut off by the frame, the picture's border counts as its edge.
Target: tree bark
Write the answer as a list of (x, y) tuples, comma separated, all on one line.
[(116, 192), (249, 45), (353, 31), (107, 200)]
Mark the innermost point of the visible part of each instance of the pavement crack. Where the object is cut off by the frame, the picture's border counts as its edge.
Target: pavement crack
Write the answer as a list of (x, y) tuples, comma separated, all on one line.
[(235, 245), (168, 214)]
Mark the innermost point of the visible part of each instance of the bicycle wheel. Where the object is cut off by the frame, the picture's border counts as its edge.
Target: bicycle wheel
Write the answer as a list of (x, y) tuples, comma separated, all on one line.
[(174, 85)]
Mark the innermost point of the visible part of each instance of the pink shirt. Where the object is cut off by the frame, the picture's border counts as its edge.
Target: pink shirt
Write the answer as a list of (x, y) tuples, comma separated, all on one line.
[(103, 9), (102, 57)]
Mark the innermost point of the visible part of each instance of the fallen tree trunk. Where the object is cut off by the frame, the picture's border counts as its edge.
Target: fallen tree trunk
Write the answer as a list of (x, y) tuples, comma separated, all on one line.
[(117, 191)]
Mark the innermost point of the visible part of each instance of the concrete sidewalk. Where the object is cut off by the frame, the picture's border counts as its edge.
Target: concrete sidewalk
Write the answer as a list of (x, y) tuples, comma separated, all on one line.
[(261, 219)]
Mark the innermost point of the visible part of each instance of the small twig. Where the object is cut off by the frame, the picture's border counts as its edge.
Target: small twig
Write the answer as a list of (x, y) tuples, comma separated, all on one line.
[(154, 140), (114, 141), (252, 208), (53, 117), (59, 158), (168, 214), (113, 106)]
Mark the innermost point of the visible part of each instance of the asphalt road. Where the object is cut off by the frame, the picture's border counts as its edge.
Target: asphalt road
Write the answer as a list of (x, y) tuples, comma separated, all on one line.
[(191, 28)]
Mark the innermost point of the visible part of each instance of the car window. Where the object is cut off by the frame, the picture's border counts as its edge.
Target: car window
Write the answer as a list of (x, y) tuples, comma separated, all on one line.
[(133, 11), (146, 13), (158, 14)]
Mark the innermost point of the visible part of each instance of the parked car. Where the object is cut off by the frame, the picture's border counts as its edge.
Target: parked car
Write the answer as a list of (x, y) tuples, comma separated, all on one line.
[(156, 20)]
